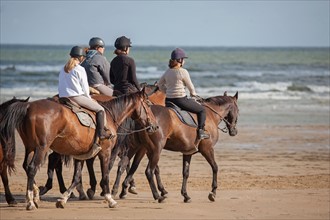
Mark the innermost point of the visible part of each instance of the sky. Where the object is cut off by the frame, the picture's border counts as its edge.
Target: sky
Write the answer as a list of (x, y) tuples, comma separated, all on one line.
[(167, 23)]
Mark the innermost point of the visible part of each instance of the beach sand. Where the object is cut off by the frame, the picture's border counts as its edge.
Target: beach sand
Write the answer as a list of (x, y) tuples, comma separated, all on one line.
[(265, 172)]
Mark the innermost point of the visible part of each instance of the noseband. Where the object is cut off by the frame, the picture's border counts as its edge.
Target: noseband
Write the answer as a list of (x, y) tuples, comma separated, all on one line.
[(150, 125)]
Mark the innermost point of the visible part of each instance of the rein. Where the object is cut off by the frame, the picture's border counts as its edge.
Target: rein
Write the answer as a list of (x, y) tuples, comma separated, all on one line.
[(224, 130), (128, 131)]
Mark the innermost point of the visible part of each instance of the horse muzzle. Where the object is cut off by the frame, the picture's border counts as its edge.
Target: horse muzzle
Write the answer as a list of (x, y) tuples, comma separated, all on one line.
[(233, 131)]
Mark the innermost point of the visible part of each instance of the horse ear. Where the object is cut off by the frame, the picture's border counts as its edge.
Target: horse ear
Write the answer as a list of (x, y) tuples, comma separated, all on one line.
[(26, 100), (143, 89), (236, 95), (225, 93)]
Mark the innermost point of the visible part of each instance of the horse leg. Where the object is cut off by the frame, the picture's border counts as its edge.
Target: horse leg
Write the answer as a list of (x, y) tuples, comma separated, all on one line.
[(9, 197), (53, 160), (78, 165), (32, 194), (209, 156), (160, 185), (105, 160), (150, 172), (132, 186), (123, 163), (137, 159), (185, 174), (92, 178)]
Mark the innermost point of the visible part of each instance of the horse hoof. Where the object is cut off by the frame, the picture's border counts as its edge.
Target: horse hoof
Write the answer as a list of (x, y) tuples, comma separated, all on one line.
[(132, 190), (212, 196), (90, 194), (113, 204), (187, 200), (30, 206), (60, 204), (161, 199), (12, 203), (164, 193), (43, 190), (122, 195)]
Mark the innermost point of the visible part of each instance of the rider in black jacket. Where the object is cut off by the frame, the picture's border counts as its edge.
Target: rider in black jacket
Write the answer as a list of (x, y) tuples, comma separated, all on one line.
[(123, 69)]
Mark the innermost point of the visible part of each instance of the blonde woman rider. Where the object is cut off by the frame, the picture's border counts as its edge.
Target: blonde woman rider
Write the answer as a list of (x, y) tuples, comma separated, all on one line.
[(74, 85)]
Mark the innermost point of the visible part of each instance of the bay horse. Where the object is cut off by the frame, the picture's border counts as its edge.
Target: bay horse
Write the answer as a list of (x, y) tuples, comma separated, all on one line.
[(49, 125), (173, 135), (155, 96), (7, 153)]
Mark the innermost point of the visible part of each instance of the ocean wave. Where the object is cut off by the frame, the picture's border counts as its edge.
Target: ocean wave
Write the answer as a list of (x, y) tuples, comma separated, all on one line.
[(31, 68)]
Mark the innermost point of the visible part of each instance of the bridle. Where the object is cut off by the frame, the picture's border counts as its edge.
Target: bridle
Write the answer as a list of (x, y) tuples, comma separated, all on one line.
[(225, 129), (150, 126)]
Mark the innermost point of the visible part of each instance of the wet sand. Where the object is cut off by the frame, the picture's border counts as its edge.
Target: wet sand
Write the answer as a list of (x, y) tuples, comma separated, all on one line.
[(265, 172)]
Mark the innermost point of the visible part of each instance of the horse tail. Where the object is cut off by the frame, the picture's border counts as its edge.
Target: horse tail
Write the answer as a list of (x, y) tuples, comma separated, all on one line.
[(12, 118)]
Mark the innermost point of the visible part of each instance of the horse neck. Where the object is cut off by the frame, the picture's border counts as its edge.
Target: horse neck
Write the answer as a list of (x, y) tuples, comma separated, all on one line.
[(220, 110), (125, 110)]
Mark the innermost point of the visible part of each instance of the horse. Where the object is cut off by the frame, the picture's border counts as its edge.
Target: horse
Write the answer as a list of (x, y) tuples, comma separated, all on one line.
[(173, 135), (7, 153), (155, 96), (49, 125)]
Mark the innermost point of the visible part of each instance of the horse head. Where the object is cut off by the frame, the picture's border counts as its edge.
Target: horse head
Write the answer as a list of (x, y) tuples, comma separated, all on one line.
[(144, 113), (232, 116)]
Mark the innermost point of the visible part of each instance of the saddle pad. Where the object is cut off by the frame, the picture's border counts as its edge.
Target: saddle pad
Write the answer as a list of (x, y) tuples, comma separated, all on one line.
[(84, 117), (184, 116)]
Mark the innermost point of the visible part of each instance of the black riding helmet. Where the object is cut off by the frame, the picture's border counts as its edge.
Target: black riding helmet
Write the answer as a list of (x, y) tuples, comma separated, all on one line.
[(122, 43), (77, 51), (96, 42)]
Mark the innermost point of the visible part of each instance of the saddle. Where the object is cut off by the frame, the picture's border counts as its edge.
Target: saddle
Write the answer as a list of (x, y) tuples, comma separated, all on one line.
[(85, 116), (184, 116)]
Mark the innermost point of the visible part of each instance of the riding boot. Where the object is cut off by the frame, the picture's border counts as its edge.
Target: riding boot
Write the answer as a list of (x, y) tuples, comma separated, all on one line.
[(102, 133), (201, 134)]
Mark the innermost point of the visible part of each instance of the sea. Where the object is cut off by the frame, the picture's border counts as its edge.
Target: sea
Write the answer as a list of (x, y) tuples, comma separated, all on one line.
[(274, 84)]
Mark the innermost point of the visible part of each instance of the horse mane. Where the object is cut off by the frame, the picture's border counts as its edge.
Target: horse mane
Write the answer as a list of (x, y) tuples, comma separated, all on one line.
[(118, 105), (219, 100)]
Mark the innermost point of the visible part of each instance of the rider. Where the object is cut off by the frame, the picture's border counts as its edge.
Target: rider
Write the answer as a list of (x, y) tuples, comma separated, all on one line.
[(123, 69), (98, 67), (173, 83), (73, 84)]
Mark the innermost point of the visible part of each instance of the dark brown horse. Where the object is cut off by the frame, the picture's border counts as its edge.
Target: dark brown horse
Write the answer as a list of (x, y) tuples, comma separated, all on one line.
[(7, 153), (173, 135), (49, 125)]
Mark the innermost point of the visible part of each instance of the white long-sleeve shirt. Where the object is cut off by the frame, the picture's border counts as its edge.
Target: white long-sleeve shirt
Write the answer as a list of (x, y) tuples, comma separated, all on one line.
[(73, 83), (174, 81)]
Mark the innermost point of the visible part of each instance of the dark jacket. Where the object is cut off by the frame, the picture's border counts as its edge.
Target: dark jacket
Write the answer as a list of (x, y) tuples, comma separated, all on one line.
[(123, 74)]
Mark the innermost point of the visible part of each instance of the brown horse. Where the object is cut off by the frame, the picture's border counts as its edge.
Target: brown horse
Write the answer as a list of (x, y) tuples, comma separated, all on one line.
[(49, 125), (55, 161), (173, 135), (7, 153)]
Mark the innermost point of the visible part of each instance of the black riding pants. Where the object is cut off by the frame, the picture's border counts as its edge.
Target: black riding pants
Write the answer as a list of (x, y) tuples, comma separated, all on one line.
[(191, 105)]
